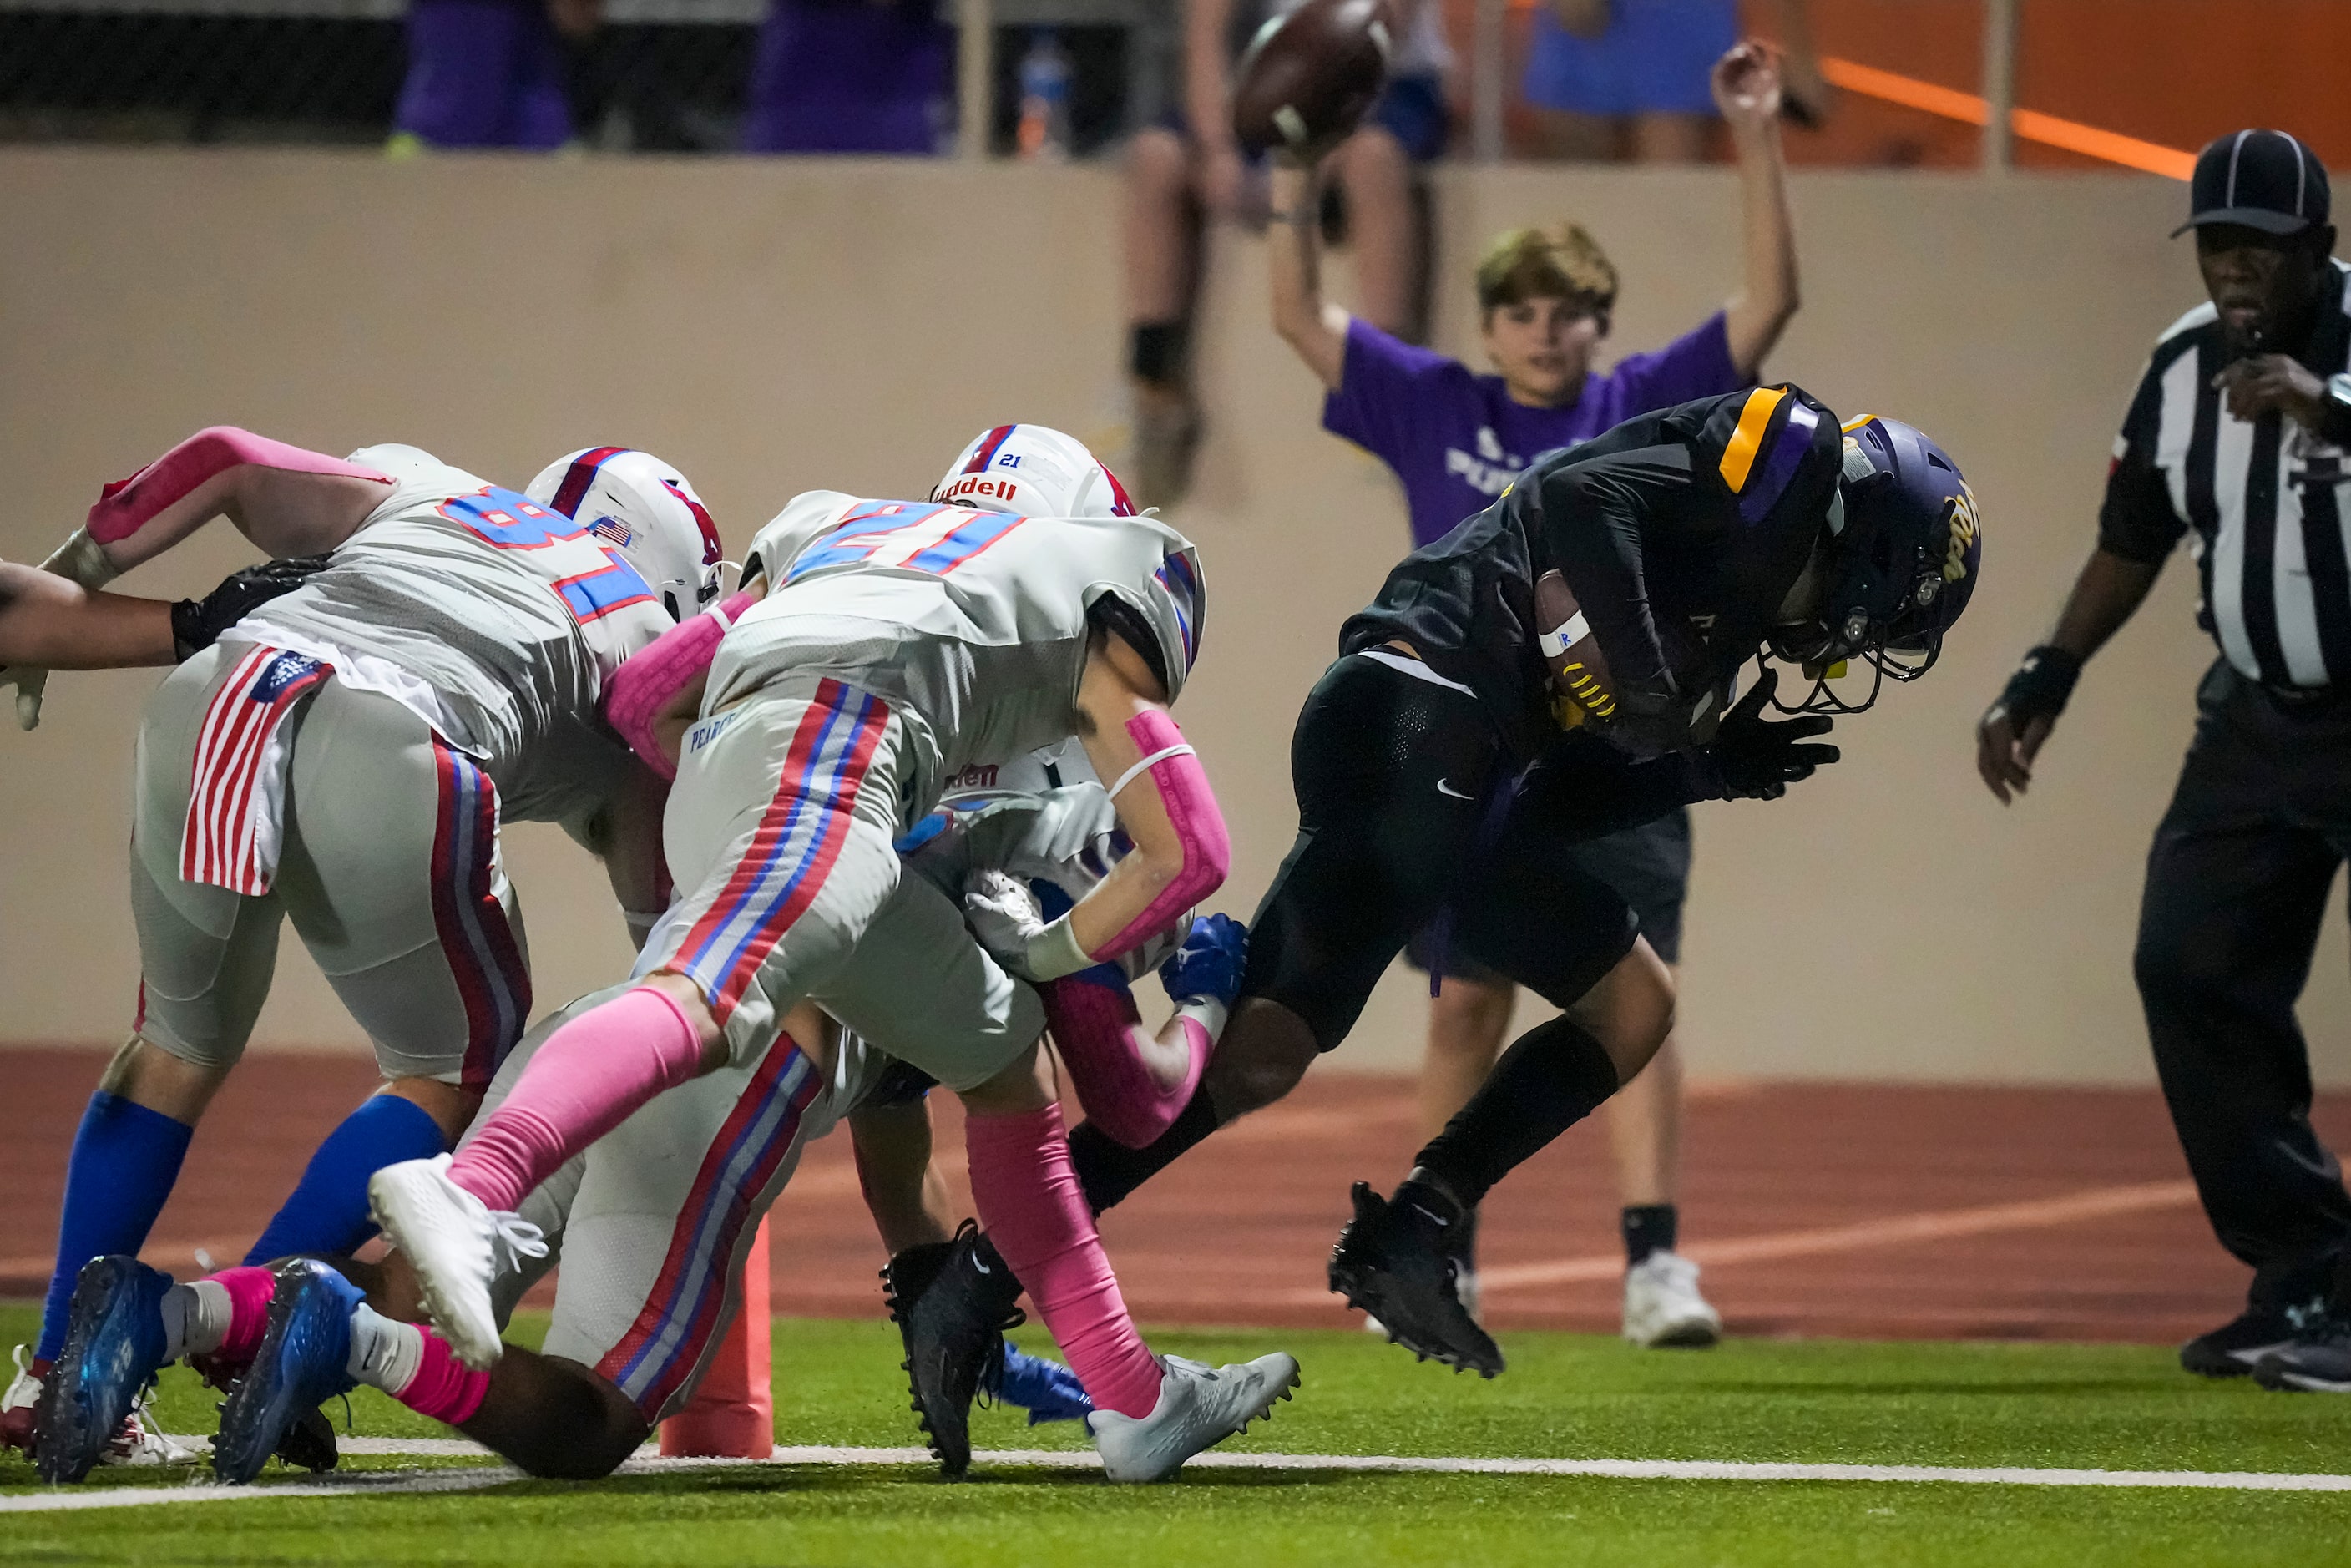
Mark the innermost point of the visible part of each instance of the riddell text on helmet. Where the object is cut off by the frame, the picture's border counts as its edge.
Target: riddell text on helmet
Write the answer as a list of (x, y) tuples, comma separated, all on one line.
[(978, 484)]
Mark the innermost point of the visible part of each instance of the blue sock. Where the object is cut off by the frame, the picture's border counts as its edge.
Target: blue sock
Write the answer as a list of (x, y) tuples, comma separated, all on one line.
[(327, 1210), (125, 1159)]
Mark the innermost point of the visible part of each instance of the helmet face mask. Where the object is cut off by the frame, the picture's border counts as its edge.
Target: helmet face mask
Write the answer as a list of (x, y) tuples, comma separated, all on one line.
[(1899, 571)]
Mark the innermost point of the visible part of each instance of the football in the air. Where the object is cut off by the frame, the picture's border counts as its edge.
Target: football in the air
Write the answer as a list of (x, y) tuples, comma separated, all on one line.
[(1310, 78)]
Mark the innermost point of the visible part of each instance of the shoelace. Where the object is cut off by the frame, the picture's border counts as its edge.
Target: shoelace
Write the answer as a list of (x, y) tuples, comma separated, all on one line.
[(514, 1239)]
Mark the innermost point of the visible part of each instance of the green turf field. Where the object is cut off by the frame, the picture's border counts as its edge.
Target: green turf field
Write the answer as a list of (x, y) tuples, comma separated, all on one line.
[(1566, 1396)]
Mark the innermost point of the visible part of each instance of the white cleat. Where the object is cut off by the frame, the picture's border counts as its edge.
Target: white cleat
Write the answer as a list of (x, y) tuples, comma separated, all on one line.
[(142, 1442), (137, 1443), (1663, 1308), (16, 1407), (1199, 1406), (458, 1247)]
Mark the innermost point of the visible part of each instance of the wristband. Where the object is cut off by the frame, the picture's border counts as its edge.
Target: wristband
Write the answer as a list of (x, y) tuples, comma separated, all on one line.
[(1208, 1012), (2042, 685), (81, 560), (1053, 952)]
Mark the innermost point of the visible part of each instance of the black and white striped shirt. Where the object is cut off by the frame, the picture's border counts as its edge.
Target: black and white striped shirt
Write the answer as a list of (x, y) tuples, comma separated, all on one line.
[(2268, 501)]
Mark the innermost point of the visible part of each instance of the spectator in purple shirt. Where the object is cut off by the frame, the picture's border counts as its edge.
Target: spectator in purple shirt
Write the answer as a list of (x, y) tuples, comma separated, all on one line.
[(852, 76), (1456, 440), (489, 73)]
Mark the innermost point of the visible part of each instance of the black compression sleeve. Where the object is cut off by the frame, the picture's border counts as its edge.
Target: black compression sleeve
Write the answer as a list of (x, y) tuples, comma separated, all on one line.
[(1108, 1170), (1588, 790), (1594, 513), (1555, 1076)]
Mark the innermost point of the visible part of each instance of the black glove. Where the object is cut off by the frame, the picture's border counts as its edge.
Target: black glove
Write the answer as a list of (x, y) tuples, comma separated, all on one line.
[(2040, 687), (1756, 758), (197, 623)]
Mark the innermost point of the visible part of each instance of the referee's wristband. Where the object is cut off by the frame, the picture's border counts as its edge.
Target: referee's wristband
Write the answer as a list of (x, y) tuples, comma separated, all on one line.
[(1053, 951), (2041, 686)]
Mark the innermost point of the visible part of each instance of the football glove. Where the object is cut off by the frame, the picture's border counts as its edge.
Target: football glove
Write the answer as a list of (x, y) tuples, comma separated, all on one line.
[(1756, 758), (1209, 964), (197, 623)]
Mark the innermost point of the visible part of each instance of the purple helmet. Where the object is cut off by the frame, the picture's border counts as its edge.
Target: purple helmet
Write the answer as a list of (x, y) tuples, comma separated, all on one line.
[(1900, 569)]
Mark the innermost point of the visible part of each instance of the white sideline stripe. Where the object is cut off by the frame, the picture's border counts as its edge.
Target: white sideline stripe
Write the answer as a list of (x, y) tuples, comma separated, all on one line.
[(364, 1484), (1895, 1230)]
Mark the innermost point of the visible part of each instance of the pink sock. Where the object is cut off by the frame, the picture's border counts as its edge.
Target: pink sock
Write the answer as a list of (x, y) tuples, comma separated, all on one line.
[(1030, 1200), (1100, 1036), (249, 1290), (584, 1081), (443, 1388)]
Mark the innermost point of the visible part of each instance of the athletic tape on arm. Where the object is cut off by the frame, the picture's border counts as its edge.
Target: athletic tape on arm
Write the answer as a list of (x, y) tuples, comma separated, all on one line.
[(126, 505), (1191, 809), (651, 678)]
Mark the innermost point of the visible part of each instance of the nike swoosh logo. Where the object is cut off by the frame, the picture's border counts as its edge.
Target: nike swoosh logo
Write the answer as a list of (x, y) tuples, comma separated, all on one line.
[(981, 1267), (1436, 1219), (1444, 788)]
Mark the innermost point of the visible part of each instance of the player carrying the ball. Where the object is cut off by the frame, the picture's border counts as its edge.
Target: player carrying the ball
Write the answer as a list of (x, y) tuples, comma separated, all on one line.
[(1553, 669)]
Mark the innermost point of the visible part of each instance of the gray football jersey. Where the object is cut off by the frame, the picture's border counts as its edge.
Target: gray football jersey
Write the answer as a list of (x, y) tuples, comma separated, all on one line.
[(972, 624), (507, 616)]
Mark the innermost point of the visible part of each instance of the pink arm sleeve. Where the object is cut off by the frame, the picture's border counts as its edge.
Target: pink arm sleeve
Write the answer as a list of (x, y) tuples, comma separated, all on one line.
[(1191, 806), (651, 678), (120, 521)]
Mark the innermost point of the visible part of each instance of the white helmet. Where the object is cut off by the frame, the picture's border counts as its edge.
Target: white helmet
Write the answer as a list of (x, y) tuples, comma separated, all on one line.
[(643, 509), (1036, 471)]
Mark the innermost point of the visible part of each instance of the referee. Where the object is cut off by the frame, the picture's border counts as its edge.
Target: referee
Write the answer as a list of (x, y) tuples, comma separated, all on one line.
[(2238, 430)]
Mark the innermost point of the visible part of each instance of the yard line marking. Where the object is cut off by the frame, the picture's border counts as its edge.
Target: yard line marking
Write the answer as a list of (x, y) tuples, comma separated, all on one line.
[(357, 1484), (379, 1484), (1935, 1225)]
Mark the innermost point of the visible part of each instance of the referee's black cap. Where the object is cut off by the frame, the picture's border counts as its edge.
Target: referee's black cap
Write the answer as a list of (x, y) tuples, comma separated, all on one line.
[(2263, 180)]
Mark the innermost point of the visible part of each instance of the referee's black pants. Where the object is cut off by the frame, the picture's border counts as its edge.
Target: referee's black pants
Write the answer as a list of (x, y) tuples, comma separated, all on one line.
[(2236, 887)]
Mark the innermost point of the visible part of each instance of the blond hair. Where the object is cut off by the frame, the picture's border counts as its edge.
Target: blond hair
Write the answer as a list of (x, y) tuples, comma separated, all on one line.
[(1561, 261)]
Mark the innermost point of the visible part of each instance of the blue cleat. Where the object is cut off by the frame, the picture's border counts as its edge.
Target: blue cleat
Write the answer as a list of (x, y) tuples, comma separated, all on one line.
[(300, 1366), (114, 1348), (1045, 1389)]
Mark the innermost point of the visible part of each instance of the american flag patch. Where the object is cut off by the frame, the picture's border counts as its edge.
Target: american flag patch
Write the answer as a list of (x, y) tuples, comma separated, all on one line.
[(237, 794), (611, 530)]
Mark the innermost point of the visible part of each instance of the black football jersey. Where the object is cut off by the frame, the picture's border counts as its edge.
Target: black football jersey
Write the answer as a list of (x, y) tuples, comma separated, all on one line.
[(1680, 534)]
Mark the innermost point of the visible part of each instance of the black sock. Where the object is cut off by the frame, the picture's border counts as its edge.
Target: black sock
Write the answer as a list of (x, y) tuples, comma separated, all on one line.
[(1158, 351), (1108, 1170), (1648, 1228), (1548, 1081)]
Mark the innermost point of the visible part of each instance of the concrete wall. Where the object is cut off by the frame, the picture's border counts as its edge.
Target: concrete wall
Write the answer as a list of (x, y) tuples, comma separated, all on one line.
[(777, 326)]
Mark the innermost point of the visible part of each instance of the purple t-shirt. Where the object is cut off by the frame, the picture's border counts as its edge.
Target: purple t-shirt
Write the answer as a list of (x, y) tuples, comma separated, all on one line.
[(1457, 440)]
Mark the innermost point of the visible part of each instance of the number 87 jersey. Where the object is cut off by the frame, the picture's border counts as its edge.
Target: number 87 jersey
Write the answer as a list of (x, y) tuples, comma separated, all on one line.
[(504, 610)]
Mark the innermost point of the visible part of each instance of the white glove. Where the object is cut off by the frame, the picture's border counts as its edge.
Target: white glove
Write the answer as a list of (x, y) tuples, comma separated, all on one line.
[(29, 682), (79, 559), (1005, 919)]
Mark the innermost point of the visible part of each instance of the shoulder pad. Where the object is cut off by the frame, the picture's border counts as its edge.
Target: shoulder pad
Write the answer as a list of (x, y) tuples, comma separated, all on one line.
[(805, 518)]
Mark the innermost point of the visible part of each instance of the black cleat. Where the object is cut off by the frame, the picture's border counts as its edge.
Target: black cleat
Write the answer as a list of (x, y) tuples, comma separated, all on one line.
[(2317, 1361), (952, 1301), (2234, 1348), (1397, 1261)]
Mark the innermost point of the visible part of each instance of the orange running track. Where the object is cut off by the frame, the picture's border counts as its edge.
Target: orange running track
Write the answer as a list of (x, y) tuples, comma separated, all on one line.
[(1928, 1213)]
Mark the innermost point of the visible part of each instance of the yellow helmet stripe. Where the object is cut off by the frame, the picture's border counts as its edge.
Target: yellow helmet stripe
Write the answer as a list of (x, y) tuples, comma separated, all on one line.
[(1739, 458)]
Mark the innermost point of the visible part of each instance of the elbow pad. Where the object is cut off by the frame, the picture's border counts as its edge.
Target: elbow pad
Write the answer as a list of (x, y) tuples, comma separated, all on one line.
[(647, 682), (127, 504), (1199, 824)]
